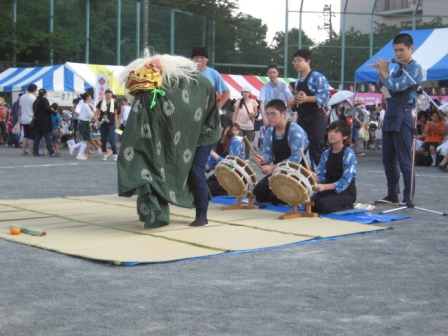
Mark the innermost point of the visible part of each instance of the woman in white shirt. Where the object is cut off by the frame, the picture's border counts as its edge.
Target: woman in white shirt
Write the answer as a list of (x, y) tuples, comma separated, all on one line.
[(245, 110), (85, 116)]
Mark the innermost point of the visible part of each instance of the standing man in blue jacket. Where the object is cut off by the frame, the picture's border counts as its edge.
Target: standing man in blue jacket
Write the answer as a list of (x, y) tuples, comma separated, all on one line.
[(398, 124)]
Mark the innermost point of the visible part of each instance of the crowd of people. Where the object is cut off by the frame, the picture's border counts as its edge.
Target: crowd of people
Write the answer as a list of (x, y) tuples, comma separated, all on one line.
[(288, 123), (85, 127)]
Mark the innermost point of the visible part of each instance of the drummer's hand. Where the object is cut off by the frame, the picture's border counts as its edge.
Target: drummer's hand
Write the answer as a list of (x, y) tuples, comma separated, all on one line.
[(314, 176), (268, 169), (259, 159), (319, 187)]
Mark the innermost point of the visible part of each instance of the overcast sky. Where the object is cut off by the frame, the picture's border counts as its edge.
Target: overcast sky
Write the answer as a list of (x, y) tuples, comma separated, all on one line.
[(272, 13)]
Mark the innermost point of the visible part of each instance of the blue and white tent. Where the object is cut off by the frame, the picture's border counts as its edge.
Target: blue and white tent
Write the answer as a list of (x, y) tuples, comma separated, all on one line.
[(430, 50), (51, 78)]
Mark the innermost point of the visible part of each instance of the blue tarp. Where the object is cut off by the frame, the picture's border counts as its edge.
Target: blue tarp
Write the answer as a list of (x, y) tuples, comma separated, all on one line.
[(357, 215)]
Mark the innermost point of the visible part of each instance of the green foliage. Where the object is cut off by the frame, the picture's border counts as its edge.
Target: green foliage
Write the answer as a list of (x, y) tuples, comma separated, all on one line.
[(232, 37), (278, 46)]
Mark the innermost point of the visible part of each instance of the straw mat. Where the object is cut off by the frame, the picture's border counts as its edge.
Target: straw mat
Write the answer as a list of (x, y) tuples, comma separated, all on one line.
[(107, 228)]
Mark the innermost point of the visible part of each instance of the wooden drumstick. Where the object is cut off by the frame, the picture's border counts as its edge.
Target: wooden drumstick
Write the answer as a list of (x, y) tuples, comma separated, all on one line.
[(252, 149), (305, 160)]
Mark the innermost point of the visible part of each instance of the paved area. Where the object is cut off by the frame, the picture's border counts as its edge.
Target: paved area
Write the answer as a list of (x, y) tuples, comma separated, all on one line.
[(388, 283)]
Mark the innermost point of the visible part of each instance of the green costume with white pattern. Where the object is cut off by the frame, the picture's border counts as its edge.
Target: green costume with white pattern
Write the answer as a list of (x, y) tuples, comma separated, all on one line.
[(159, 144)]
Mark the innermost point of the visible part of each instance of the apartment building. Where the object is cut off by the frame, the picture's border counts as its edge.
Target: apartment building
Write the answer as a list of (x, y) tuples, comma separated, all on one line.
[(393, 12)]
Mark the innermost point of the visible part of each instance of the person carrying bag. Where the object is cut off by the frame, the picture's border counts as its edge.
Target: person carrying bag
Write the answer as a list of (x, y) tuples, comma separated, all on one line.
[(245, 111)]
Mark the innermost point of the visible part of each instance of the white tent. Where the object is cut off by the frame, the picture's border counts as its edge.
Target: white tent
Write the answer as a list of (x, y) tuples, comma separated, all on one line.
[(51, 78), (430, 50)]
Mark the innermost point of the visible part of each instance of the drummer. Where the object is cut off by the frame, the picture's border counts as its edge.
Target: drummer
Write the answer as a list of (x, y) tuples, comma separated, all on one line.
[(336, 173), (282, 142)]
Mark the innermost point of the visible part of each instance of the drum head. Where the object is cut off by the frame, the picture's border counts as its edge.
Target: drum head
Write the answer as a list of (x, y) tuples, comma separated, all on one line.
[(288, 189), (230, 180)]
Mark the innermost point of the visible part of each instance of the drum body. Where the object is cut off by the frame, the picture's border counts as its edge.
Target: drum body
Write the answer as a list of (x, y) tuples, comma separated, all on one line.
[(292, 183), (235, 176)]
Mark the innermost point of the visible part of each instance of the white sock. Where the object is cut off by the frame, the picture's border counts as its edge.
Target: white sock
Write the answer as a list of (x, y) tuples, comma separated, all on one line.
[(81, 151), (79, 144), (434, 158)]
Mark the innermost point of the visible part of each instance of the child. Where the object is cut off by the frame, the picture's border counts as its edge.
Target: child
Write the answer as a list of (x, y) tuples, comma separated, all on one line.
[(236, 149), (282, 142), (56, 131), (433, 131), (336, 173), (10, 128)]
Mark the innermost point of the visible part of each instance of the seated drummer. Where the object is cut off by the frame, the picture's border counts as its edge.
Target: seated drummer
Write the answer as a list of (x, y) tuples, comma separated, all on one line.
[(282, 142), (235, 148), (336, 173)]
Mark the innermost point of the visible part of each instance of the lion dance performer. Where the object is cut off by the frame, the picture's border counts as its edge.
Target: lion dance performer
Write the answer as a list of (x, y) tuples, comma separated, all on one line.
[(174, 111)]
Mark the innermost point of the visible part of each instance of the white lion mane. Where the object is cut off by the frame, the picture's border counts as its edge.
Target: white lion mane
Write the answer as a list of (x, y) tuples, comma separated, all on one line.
[(173, 68)]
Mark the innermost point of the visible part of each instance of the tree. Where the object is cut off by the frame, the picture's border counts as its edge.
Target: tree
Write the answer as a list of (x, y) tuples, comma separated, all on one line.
[(278, 48)]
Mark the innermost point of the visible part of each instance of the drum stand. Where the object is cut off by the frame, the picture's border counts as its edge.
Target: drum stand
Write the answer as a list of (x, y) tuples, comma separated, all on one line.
[(295, 214), (239, 204)]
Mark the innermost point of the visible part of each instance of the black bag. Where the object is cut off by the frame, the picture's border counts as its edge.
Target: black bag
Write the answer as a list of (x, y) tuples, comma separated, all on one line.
[(423, 159)]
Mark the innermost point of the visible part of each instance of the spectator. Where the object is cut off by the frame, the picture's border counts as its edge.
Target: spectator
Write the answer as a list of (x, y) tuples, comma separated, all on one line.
[(5, 111), (443, 164), (433, 131), (56, 123), (10, 125), (43, 123), (422, 119), (15, 119), (258, 122), (358, 122), (245, 110), (26, 114), (275, 89), (107, 115), (235, 149), (124, 114)]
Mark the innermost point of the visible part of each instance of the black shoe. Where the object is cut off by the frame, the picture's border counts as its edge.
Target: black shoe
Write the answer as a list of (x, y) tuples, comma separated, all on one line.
[(442, 167), (37, 155), (388, 200), (407, 202), (199, 222)]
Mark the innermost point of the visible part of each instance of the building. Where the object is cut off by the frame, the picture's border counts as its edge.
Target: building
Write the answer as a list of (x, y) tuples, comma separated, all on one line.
[(393, 12)]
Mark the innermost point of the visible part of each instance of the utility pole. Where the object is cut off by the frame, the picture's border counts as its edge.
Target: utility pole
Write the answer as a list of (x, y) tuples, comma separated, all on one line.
[(328, 25)]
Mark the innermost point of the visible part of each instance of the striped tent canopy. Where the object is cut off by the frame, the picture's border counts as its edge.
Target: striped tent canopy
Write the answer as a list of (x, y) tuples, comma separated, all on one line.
[(237, 82), (430, 50), (77, 77), (51, 78)]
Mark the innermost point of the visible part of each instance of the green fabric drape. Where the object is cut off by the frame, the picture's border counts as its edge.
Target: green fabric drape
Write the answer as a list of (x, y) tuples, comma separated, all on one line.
[(159, 144)]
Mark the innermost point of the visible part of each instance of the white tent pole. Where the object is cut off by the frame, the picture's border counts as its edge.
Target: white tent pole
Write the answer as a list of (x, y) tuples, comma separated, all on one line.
[(87, 52), (51, 28)]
